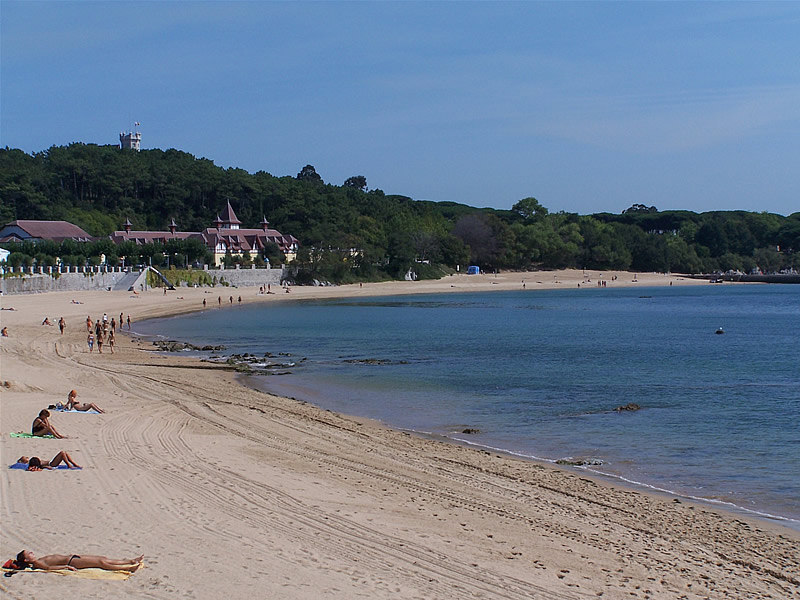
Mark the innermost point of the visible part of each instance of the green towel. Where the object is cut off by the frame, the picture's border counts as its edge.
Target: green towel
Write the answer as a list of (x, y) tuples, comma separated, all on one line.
[(22, 434)]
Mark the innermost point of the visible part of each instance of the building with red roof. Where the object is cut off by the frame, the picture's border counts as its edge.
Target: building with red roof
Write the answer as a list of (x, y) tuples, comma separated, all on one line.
[(225, 236), (34, 231)]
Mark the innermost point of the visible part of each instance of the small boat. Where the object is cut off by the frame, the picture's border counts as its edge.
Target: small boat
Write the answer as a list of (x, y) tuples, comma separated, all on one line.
[(720, 331)]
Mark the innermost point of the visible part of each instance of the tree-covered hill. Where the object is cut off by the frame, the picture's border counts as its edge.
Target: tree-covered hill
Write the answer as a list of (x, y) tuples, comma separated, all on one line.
[(348, 231)]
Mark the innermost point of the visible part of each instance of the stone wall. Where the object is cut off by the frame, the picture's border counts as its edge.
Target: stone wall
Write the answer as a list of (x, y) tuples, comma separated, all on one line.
[(247, 277), (36, 283), (97, 279)]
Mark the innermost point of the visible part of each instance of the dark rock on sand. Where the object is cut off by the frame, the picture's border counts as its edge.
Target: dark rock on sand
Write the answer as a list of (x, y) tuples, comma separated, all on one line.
[(589, 462), (174, 346)]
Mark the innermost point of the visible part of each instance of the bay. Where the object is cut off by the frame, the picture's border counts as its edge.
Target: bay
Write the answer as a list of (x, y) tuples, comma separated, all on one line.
[(539, 374)]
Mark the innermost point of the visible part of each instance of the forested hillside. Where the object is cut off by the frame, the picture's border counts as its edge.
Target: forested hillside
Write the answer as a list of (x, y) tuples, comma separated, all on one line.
[(348, 231)]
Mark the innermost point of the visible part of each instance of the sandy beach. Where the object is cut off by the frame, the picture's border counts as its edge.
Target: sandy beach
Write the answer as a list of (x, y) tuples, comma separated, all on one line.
[(233, 493)]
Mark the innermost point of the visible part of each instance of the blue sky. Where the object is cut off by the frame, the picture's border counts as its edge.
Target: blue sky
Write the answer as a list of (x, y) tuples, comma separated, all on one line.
[(588, 107)]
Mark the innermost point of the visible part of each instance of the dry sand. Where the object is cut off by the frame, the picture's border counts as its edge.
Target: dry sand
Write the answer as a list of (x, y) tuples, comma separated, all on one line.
[(233, 493)]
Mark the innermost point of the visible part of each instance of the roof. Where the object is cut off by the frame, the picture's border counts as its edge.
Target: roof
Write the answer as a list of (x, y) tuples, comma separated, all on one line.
[(48, 230), (148, 237), (228, 216)]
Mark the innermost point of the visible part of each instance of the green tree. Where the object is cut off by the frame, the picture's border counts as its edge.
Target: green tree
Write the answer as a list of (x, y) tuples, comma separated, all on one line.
[(529, 209), (358, 182), (309, 173)]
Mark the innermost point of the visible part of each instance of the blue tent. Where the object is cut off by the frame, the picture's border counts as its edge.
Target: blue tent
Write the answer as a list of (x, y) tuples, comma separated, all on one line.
[(473, 270)]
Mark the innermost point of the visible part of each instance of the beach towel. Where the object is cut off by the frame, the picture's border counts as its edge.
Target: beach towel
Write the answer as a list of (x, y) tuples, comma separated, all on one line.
[(24, 467), (24, 434), (72, 410), (82, 573)]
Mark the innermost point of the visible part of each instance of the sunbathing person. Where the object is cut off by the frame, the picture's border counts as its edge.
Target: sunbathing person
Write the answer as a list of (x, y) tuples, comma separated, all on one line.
[(41, 425), (73, 562), (35, 463), (72, 403)]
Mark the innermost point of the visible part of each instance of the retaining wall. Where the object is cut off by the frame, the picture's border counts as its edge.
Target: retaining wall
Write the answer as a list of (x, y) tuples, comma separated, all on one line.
[(33, 283)]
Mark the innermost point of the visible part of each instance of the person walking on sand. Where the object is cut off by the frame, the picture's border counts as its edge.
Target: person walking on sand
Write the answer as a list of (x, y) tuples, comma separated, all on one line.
[(89, 323), (36, 464), (73, 404), (100, 341), (111, 341), (90, 341), (62, 325), (113, 325), (73, 562), (41, 425)]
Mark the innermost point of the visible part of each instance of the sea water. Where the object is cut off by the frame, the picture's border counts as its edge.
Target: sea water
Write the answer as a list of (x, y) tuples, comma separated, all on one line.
[(540, 374)]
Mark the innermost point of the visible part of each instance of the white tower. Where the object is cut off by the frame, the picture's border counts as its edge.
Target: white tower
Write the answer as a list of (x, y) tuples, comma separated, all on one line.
[(131, 140)]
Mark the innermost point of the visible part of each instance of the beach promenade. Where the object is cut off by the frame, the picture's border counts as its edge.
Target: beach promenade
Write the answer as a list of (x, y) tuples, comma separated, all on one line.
[(232, 493)]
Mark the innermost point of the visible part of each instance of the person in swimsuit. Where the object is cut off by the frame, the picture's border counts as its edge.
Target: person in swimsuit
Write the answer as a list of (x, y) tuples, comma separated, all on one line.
[(41, 425), (62, 325), (35, 463), (72, 403), (73, 562)]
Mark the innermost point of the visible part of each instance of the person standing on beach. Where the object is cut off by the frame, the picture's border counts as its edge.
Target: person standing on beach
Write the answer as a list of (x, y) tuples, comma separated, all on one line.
[(231, 299), (113, 325), (219, 300), (204, 302), (62, 325), (120, 320), (129, 322)]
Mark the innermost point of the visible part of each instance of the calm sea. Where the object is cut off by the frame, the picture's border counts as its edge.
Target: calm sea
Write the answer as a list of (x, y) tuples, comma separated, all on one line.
[(539, 374)]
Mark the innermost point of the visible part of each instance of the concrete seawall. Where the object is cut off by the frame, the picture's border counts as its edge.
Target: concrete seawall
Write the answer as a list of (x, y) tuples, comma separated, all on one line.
[(34, 283)]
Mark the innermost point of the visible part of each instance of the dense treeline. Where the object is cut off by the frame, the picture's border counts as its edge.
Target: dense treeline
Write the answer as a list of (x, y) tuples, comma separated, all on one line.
[(350, 232)]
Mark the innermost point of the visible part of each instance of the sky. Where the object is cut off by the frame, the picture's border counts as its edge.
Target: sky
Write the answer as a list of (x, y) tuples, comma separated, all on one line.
[(588, 107)]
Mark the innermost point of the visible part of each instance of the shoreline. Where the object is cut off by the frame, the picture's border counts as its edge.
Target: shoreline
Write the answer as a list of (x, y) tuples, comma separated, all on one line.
[(189, 466), (612, 479)]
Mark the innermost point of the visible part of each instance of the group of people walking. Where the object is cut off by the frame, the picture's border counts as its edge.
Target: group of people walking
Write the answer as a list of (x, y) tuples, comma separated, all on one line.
[(103, 332)]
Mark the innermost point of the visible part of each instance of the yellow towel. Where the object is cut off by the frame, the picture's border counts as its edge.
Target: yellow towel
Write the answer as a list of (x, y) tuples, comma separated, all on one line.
[(82, 573)]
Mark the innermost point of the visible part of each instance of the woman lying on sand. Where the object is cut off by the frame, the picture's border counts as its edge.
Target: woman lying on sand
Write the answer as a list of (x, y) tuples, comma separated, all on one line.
[(35, 463), (72, 403), (41, 425), (73, 562)]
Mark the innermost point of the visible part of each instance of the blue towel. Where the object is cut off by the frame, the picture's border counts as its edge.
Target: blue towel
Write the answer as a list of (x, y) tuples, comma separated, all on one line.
[(91, 412)]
